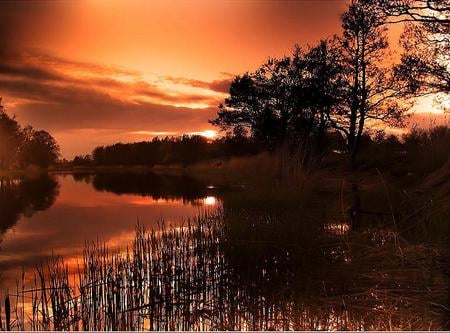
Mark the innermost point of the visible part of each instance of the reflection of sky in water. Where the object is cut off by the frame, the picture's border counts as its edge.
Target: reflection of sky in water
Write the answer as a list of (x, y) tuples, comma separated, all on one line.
[(81, 213), (323, 276)]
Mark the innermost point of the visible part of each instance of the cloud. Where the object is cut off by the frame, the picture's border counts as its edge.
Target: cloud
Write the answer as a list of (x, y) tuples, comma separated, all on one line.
[(78, 66), (40, 76), (28, 71), (62, 96), (221, 86)]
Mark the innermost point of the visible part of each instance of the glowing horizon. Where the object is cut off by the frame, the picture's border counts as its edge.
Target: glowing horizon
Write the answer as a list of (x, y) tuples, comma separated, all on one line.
[(132, 71)]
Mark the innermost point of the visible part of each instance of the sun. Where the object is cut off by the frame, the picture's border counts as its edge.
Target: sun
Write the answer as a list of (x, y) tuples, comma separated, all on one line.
[(209, 134)]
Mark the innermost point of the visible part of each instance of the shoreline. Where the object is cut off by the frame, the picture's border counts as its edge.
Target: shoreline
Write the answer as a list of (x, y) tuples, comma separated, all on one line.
[(31, 171)]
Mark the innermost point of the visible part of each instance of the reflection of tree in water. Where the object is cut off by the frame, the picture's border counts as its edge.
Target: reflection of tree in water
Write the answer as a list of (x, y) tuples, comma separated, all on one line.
[(258, 264), (200, 278), (167, 187), (24, 197), (300, 264)]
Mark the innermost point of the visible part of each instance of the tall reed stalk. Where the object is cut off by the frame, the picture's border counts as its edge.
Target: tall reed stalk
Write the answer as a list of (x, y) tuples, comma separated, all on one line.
[(183, 279)]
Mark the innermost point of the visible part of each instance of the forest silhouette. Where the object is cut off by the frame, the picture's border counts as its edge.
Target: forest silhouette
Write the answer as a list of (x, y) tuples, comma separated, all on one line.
[(23, 197), (337, 95), (21, 147)]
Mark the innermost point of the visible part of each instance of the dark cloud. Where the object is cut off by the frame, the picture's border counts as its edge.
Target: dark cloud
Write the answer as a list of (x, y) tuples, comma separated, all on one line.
[(221, 86), (28, 71), (79, 65), (65, 106), (81, 92), (34, 64), (43, 78), (143, 88), (113, 114), (47, 93)]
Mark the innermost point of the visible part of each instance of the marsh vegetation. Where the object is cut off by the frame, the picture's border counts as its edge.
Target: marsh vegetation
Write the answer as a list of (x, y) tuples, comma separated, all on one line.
[(201, 277), (333, 250)]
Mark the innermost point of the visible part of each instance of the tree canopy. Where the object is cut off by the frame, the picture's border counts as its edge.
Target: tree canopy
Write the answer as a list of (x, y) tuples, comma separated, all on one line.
[(184, 150), (341, 84), (425, 66), (20, 147), (285, 98)]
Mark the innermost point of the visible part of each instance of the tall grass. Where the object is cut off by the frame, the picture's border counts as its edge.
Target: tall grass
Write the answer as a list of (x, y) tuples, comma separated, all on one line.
[(206, 276)]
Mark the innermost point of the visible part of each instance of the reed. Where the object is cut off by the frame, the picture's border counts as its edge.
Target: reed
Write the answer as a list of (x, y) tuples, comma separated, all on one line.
[(203, 276)]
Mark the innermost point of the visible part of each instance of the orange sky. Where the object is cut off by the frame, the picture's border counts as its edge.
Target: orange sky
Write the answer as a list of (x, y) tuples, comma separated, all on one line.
[(97, 72)]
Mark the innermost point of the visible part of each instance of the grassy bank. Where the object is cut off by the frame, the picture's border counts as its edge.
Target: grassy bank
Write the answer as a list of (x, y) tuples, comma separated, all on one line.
[(410, 159), (31, 171)]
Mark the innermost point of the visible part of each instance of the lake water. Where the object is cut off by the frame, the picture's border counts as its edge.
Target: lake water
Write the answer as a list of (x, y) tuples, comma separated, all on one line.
[(57, 214), (274, 258)]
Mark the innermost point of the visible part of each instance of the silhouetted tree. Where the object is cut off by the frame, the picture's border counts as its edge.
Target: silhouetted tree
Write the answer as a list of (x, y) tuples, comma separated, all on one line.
[(38, 148), (371, 90), (341, 83), (422, 11), (184, 150), (324, 84), (248, 107), (21, 147), (424, 67), (288, 98), (10, 139), (85, 160)]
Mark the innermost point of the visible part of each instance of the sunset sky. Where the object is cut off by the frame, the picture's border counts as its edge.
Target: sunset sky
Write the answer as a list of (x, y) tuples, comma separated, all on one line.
[(98, 72)]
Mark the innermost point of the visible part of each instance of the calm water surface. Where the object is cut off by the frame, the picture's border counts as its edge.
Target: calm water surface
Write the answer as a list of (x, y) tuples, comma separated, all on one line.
[(57, 214), (273, 258)]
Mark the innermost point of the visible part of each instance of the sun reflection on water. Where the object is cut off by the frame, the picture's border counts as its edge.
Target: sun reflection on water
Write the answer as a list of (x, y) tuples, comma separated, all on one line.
[(210, 201)]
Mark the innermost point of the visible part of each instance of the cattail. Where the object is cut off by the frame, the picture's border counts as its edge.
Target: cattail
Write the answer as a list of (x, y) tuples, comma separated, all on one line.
[(8, 312), (1, 321)]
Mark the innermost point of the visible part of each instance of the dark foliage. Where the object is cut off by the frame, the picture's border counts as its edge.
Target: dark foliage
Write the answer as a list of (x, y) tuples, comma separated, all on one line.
[(417, 153), (10, 140), (38, 148), (166, 187), (184, 150), (424, 67), (83, 160), (20, 147), (339, 85), (286, 99), (24, 197)]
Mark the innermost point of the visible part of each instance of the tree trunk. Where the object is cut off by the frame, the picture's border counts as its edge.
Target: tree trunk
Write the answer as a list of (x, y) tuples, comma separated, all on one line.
[(354, 107), (363, 102)]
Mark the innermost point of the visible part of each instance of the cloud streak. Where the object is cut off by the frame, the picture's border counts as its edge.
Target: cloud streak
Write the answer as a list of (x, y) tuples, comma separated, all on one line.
[(60, 95), (54, 73), (220, 86)]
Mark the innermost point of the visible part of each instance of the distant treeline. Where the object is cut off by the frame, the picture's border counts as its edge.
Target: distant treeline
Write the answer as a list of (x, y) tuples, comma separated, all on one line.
[(425, 149), (183, 150)]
